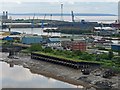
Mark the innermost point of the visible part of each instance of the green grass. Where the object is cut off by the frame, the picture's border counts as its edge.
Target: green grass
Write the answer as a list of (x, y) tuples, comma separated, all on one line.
[(1, 41), (105, 63), (65, 58)]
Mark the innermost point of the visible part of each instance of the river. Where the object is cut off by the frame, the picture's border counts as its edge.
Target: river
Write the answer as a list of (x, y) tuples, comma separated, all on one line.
[(19, 77), (69, 18), (38, 31)]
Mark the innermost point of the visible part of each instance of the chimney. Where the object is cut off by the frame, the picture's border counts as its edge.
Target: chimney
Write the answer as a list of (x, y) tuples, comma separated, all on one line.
[(6, 15), (3, 13)]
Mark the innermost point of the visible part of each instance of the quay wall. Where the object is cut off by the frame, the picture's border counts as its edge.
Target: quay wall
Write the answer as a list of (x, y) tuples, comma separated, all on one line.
[(64, 62), (20, 26)]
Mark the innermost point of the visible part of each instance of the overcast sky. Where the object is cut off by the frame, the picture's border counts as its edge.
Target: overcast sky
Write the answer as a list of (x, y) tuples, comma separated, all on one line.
[(53, 6), (59, 0)]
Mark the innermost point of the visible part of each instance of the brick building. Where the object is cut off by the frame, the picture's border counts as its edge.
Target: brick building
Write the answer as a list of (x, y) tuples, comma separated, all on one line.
[(74, 45), (78, 46)]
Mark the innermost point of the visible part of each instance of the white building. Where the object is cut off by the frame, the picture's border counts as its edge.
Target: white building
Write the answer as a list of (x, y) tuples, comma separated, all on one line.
[(53, 42), (105, 31)]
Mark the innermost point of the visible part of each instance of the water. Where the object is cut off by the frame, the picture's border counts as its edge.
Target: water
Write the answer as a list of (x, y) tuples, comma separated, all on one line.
[(69, 18), (19, 77), (38, 31)]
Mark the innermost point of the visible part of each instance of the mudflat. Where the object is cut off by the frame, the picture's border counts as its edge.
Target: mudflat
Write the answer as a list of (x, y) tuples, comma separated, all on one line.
[(62, 73)]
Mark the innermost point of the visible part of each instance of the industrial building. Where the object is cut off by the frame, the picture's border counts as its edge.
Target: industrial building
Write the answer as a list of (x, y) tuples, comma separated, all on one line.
[(105, 31), (32, 39), (115, 47), (4, 19), (49, 42), (78, 46), (4, 16), (53, 42), (74, 45), (8, 38), (102, 43)]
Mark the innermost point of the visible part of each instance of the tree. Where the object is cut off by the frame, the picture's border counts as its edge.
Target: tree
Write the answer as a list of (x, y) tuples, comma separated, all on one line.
[(48, 50), (35, 47), (77, 52), (119, 53), (110, 55)]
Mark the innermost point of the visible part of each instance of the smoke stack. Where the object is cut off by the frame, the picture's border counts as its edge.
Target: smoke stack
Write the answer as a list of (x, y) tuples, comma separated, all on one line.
[(3, 13), (6, 15)]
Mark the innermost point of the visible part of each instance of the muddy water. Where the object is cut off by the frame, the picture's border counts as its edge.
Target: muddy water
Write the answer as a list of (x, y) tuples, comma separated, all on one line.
[(19, 77)]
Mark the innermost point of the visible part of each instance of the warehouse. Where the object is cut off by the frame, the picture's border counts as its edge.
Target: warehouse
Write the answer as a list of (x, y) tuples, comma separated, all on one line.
[(115, 47), (32, 39), (53, 42)]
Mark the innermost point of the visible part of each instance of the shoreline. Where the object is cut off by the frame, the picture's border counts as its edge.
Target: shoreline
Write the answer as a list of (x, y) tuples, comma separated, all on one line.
[(47, 69)]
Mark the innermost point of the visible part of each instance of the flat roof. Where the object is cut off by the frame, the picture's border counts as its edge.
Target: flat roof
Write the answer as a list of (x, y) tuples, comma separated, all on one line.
[(105, 28)]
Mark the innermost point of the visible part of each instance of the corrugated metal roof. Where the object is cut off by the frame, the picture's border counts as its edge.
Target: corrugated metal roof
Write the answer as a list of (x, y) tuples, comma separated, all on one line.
[(30, 40), (53, 39), (8, 38)]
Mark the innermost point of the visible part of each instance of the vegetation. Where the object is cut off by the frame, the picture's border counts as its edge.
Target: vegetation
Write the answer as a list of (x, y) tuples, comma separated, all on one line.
[(107, 60), (110, 55), (116, 35), (35, 47)]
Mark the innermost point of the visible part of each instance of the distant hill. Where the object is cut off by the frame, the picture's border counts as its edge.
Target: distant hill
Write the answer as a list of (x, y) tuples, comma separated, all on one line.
[(58, 14)]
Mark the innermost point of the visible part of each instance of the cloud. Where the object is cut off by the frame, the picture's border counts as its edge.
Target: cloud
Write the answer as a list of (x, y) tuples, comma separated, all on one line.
[(19, 77)]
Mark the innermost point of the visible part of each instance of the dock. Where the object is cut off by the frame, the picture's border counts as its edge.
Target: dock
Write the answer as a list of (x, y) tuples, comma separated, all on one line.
[(65, 62)]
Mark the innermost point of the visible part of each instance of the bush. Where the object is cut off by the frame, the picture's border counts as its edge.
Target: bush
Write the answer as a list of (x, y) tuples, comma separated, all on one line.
[(110, 55), (35, 47), (48, 49), (77, 52)]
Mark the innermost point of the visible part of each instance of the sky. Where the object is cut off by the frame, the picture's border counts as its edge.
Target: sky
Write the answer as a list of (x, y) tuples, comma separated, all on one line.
[(53, 6), (59, 0)]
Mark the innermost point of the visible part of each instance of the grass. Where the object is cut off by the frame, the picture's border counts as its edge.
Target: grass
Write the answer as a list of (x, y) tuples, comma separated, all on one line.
[(1, 41), (66, 58), (104, 63)]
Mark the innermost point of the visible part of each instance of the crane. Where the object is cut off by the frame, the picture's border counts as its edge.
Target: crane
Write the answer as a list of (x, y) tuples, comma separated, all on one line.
[(72, 16), (32, 24)]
